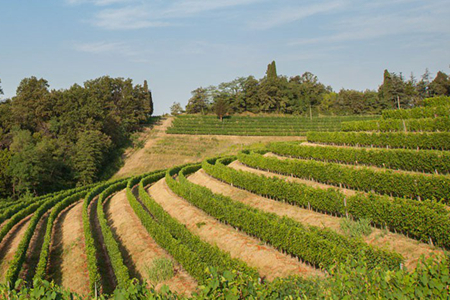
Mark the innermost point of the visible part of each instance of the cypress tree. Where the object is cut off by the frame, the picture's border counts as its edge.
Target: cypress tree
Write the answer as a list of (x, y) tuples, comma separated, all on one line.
[(149, 97), (272, 71)]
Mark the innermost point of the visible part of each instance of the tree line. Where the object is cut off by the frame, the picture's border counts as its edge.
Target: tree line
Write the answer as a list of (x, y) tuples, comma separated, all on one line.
[(56, 139), (306, 95)]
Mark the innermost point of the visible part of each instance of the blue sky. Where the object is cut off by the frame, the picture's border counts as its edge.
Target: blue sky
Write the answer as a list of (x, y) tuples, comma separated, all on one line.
[(179, 45)]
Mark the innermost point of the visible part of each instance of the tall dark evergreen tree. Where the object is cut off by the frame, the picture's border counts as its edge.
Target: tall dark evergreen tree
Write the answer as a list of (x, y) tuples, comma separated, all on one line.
[(440, 86), (149, 98), (269, 93)]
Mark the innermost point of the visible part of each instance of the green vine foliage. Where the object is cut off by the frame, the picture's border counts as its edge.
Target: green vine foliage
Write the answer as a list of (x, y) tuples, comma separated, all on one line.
[(425, 220), (283, 233), (351, 279), (429, 140), (428, 161), (414, 186), (417, 112), (441, 124)]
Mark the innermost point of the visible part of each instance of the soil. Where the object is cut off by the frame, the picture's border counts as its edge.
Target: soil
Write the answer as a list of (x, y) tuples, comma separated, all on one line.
[(9, 245), (108, 278), (34, 250), (68, 260), (268, 261), (411, 249), (138, 248)]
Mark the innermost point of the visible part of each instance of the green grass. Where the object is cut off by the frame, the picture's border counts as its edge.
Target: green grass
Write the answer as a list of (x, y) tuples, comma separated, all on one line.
[(160, 270), (356, 229)]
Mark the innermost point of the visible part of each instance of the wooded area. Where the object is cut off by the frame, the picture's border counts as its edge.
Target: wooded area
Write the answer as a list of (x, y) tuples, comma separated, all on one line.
[(56, 139), (305, 95)]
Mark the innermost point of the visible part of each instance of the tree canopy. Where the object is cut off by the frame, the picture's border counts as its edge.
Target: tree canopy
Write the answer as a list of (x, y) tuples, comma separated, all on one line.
[(306, 95), (54, 139)]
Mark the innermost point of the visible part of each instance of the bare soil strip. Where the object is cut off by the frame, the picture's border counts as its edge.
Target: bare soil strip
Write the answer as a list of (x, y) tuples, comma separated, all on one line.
[(138, 247), (409, 248), (68, 260), (269, 262), (9, 245), (106, 271), (34, 250)]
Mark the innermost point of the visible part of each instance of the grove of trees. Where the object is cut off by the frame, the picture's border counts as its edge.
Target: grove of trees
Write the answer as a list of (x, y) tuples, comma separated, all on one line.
[(305, 95), (56, 139)]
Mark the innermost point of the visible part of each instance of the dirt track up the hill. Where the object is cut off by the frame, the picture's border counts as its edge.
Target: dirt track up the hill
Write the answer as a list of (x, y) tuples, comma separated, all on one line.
[(154, 134), (268, 261), (138, 248)]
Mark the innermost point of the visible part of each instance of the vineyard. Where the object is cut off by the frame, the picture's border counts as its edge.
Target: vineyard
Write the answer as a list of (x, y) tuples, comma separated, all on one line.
[(357, 214), (259, 126)]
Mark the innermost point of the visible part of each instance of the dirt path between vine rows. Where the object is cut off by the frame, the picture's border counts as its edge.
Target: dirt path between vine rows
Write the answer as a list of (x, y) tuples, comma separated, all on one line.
[(138, 247), (108, 278), (68, 260), (9, 245), (268, 261), (34, 249), (410, 249)]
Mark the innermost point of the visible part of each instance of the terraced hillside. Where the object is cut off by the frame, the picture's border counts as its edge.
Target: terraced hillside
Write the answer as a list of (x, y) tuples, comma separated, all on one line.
[(303, 212), (258, 126)]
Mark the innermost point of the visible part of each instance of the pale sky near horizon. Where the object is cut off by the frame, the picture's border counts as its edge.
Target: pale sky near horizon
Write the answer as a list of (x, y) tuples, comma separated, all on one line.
[(179, 45)]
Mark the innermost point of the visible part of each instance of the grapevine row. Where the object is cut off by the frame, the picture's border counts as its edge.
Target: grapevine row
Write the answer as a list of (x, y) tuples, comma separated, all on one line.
[(184, 255), (20, 254), (417, 112), (410, 125), (319, 247), (408, 160), (44, 255), (423, 221), (117, 261), (91, 251), (431, 140), (388, 182), (436, 101), (208, 253)]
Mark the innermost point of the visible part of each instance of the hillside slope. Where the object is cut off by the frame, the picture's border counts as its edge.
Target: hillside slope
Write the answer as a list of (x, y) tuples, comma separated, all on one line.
[(162, 150)]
